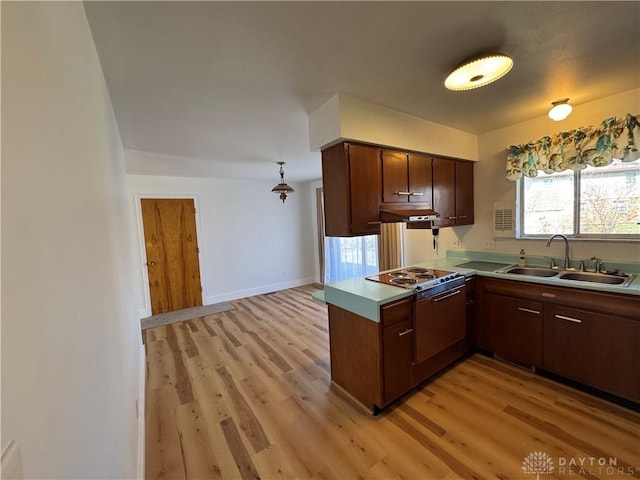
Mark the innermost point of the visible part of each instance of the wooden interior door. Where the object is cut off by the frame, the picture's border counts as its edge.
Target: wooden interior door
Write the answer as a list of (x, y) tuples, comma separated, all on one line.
[(172, 254)]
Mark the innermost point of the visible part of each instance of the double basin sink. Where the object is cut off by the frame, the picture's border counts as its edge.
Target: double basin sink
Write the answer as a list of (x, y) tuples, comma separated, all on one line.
[(618, 279)]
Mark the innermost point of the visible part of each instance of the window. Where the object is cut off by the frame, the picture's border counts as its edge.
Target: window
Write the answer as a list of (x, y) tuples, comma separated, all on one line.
[(601, 202), (344, 258), (350, 257)]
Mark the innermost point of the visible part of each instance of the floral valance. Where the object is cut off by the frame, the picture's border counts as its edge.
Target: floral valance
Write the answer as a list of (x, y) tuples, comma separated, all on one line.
[(595, 145)]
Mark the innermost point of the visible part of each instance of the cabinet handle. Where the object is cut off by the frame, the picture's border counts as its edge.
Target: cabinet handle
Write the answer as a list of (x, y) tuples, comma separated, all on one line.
[(374, 223), (528, 310), (451, 218), (402, 193), (549, 295), (417, 194), (462, 216), (574, 320), (439, 299), (404, 332)]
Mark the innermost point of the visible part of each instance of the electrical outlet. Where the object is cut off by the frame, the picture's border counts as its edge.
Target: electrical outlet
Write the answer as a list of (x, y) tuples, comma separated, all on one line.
[(457, 244), (489, 244)]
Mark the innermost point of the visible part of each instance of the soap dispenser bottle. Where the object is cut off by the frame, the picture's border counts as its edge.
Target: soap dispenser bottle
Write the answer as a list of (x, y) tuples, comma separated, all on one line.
[(522, 261)]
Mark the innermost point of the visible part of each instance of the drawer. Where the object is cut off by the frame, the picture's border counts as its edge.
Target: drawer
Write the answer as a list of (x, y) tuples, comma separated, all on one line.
[(392, 313)]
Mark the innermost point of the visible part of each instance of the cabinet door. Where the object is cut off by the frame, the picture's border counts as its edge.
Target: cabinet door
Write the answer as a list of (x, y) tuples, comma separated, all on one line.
[(444, 174), (470, 312), (570, 344), (514, 328), (439, 323), (464, 193), (598, 350), (365, 181), (395, 178), (397, 347), (615, 360), (420, 179)]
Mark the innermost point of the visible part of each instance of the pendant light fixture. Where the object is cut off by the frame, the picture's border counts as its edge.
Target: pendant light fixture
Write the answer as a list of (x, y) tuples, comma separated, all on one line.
[(560, 109), (282, 188), (479, 71)]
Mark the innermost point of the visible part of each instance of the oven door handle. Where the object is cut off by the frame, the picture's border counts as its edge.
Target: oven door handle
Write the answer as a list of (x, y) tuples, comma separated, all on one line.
[(439, 299)]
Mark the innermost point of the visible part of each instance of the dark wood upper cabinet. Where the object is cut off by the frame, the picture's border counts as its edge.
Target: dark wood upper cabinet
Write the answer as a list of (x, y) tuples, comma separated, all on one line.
[(395, 177), (359, 178), (464, 193), (420, 179), (444, 184), (406, 178), (453, 192), (352, 182)]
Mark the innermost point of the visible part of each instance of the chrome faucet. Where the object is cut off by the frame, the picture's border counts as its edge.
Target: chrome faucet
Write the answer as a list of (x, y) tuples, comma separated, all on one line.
[(566, 248), (598, 264)]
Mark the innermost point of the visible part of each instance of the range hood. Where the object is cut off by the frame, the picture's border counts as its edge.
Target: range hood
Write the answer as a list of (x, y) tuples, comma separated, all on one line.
[(388, 215)]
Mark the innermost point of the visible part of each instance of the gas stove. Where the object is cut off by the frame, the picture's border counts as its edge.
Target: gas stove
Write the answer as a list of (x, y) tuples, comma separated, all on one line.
[(419, 279)]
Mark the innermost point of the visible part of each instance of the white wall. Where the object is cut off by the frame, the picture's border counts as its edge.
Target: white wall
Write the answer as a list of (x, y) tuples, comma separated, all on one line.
[(346, 117), (250, 242), (70, 341)]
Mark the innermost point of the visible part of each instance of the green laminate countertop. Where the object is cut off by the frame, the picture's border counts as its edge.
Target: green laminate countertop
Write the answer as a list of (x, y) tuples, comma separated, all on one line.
[(365, 297)]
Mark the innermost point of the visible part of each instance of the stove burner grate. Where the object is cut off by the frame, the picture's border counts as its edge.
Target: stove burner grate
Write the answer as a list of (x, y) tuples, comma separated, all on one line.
[(398, 274), (425, 276), (417, 270), (403, 281)]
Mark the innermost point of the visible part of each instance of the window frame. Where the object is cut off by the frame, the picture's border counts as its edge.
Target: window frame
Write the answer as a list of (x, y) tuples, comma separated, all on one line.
[(576, 218)]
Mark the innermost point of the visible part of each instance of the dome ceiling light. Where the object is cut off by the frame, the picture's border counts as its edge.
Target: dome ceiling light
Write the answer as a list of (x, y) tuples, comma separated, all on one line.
[(282, 188), (478, 72), (560, 109)]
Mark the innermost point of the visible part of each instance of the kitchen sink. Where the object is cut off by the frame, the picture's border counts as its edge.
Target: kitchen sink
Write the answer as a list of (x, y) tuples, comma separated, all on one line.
[(534, 271), (621, 280), (594, 277)]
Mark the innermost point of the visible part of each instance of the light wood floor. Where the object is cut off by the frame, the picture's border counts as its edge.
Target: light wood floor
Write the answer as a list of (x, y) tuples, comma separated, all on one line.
[(247, 394)]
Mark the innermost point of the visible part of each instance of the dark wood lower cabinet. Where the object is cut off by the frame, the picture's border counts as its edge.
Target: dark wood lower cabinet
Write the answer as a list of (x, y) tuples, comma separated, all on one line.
[(376, 362), (589, 337), (397, 349), (514, 328), (439, 323), (599, 350)]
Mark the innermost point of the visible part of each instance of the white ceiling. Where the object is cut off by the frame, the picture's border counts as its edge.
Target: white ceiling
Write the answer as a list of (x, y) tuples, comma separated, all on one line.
[(223, 89)]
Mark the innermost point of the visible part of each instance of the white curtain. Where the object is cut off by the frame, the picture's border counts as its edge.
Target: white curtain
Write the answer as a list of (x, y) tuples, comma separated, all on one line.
[(350, 257)]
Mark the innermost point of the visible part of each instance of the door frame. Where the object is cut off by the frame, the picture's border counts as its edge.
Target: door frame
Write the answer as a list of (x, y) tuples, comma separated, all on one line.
[(143, 250)]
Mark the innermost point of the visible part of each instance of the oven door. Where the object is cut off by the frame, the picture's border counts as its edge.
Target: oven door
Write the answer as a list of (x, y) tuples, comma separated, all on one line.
[(439, 322)]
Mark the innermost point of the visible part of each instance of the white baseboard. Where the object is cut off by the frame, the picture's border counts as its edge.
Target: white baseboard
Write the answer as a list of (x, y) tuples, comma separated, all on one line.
[(274, 287), (141, 411), (225, 297)]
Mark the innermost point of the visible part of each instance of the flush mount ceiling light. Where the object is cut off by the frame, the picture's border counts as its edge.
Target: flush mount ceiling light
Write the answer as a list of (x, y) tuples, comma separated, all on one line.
[(479, 71), (560, 109), (282, 188)]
